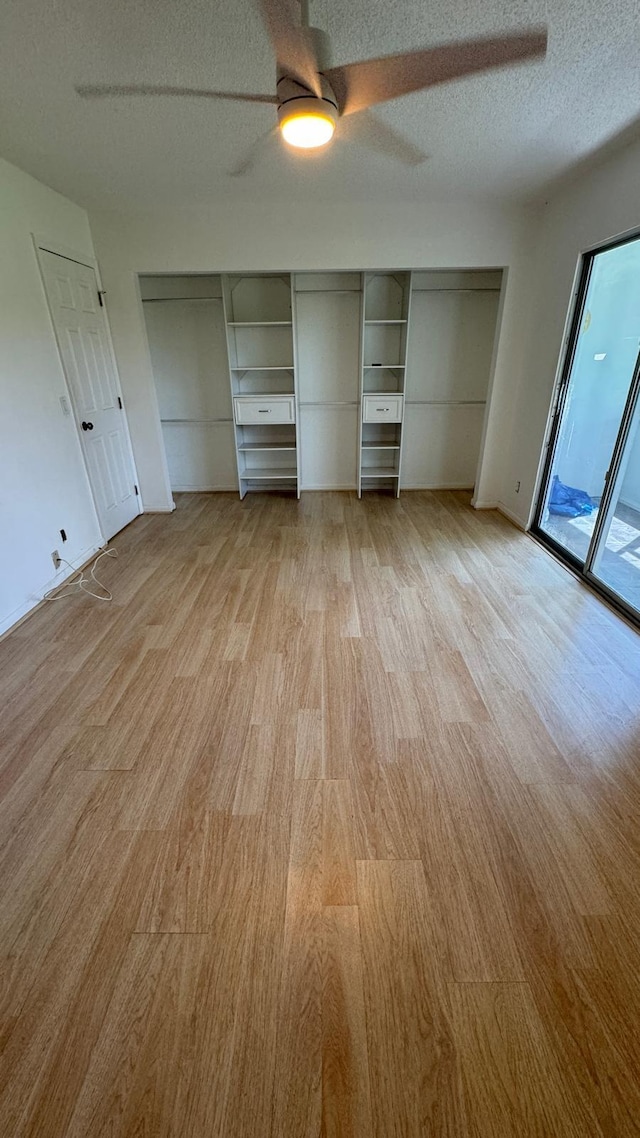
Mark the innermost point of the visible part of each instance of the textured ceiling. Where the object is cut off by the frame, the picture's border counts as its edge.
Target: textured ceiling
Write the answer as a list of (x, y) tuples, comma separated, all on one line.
[(506, 134)]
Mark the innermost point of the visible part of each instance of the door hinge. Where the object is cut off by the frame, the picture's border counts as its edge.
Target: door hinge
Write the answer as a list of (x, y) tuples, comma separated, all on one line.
[(135, 488), (101, 293), (119, 403)]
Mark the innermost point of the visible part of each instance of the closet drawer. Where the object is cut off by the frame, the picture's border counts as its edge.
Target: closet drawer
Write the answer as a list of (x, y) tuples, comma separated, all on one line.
[(270, 409), (382, 409)]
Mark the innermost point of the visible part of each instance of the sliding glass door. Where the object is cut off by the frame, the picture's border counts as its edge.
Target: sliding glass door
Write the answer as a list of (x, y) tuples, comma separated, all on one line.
[(615, 559), (589, 508)]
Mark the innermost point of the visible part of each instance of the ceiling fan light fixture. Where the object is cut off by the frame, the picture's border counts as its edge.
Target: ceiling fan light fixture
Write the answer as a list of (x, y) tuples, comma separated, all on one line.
[(307, 123), (307, 131)]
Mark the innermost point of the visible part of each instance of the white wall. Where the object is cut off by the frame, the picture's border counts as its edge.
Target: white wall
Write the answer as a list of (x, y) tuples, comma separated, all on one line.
[(43, 484), (597, 206), (229, 237)]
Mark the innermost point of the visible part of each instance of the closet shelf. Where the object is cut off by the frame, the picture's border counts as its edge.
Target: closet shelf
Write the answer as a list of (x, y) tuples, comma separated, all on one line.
[(165, 299), (384, 367), (260, 324), (267, 367), (261, 474), (198, 422), (385, 321), (244, 448), (381, 446), (379, 472)]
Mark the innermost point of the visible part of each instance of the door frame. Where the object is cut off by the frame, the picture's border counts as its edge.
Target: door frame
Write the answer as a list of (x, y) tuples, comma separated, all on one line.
[(42, 244), (583, 570), (558, 401)]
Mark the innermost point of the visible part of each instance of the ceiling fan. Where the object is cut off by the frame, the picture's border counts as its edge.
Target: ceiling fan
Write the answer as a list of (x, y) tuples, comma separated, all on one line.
[(311, 96)]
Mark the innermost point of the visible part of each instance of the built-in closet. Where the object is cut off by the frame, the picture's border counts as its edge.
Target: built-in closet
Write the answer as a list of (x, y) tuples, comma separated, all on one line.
[(372, 380)]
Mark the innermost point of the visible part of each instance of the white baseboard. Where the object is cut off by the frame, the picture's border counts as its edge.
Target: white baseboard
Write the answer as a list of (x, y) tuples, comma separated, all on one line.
[(313, 486), (34, 601), (502, 509), (633, 503), (511, 516), (437, 486), (200, 490)]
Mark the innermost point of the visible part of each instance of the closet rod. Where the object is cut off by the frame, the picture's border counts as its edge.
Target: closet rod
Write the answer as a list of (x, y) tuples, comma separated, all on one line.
[(333, 291), (447, 402), (416, 288), (163, 299), (329, 403), (197, 421)]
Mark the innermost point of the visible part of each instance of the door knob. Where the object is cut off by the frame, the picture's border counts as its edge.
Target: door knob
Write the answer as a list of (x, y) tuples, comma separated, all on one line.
[(87, 426)]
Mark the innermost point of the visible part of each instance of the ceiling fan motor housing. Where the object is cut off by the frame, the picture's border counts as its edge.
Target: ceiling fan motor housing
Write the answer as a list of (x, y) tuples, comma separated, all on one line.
[(296, 99)]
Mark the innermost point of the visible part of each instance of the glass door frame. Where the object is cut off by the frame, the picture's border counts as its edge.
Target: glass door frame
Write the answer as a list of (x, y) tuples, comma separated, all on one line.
[(584, 568)]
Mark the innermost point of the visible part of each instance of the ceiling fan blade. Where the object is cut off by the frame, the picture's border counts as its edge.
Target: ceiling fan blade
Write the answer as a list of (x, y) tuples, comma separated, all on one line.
[(372, 132), (361, 85), (115, 91), (295, 53), (246, 164)]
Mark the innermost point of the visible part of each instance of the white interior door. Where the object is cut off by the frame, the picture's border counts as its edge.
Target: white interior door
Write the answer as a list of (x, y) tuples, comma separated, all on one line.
[(81, 331)]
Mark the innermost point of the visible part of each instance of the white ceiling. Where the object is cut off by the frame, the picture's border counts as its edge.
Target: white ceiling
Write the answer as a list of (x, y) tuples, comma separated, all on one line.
[(506, 134)]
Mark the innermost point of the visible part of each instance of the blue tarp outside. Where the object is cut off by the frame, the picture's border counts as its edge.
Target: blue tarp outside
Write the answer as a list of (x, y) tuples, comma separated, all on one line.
[(569, 502)]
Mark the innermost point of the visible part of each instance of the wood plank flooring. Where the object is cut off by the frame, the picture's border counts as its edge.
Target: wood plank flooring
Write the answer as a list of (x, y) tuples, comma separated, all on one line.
[(327, 827)]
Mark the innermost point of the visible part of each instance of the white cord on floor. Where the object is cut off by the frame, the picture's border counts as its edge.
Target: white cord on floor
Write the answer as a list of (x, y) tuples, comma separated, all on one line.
[(82, 583)]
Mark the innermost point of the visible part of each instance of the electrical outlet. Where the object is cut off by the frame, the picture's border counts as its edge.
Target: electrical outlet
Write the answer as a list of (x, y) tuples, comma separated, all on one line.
[(55, 557)]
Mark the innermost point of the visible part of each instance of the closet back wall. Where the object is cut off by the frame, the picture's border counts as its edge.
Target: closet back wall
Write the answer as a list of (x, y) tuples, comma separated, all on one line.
[(186, 331), (328, 314), (451, 343)]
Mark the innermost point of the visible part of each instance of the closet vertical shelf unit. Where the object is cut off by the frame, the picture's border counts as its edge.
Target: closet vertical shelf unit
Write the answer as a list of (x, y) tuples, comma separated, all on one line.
[(261, 345), (386, 313)]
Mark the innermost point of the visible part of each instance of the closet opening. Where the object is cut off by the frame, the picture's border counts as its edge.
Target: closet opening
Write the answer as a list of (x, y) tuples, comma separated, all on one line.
[(370, 381)]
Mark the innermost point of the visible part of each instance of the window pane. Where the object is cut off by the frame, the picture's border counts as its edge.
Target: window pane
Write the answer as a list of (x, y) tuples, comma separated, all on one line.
[(617, 562)]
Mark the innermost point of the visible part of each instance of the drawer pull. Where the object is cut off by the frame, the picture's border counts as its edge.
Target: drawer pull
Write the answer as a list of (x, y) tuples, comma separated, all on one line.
[(264, 410), (382, 408)]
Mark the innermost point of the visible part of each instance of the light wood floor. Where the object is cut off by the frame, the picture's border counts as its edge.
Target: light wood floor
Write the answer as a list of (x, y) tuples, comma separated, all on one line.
[(328, 825)]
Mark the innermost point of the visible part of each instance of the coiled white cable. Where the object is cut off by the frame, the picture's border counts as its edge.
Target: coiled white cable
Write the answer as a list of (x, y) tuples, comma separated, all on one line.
[(81, 583)]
